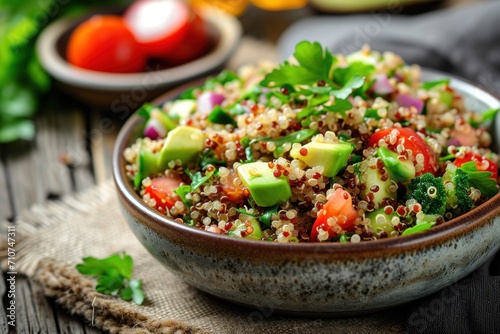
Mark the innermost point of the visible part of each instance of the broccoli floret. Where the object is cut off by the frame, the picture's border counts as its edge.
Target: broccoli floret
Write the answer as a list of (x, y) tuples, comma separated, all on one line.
[(456, 185), (428, 190)]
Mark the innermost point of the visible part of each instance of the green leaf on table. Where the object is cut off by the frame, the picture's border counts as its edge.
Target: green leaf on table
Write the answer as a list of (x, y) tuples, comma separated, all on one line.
[(109, 284), (113, 276), (133, 291), (110, 265)]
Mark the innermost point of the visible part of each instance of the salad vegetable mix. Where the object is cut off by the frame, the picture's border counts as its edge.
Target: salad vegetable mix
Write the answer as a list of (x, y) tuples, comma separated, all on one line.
[(322, 148)]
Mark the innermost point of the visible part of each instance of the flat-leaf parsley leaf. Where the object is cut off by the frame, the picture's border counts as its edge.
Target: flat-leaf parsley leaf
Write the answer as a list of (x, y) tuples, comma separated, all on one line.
[(114, 276), (314, 65)]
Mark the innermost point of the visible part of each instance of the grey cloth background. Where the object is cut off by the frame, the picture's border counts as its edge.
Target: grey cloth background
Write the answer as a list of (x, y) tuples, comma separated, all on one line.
[(464, 40)]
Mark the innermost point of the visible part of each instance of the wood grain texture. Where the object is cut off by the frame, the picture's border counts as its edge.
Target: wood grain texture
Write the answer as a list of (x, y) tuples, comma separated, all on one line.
[(34, 312), (5, 209), (21, 167), (107, 127)]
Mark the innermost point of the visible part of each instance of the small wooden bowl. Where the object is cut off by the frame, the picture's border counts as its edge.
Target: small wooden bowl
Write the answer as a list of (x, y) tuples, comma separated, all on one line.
[(122, 93)]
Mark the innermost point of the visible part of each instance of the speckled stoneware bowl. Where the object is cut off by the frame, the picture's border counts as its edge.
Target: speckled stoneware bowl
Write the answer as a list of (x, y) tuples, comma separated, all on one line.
[(316, 278)]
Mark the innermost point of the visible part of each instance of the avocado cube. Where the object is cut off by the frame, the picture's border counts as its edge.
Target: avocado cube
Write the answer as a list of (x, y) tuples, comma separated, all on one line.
[(236, 231), (399, 170), (182, 109), (332, 156), (380, 221), (147, 165), (372, 177), (265, 188), (184, 143)]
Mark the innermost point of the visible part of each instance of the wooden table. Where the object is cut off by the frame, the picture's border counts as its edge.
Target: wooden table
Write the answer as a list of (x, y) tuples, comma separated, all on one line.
[(72, 152)]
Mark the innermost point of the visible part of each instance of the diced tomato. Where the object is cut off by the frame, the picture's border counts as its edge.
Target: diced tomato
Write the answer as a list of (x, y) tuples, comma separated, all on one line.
[(104, 43), (482, 164), (339, 206), (410, 141), (162, 191), (235, 193), (160, 27)]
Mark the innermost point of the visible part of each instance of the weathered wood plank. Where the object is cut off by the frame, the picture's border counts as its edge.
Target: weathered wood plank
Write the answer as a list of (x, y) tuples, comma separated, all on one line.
[(92, 330), (5, 208), (34, 312), (108, 127), (56, 176), (22, 167), (75, 138), (69, 324)]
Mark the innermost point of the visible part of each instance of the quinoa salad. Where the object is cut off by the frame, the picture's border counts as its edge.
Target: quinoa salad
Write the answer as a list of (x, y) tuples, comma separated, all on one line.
[(321, 148)]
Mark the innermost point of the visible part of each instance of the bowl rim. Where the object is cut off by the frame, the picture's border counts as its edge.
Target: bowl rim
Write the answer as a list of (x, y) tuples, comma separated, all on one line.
[(434, 236), (228, 27)]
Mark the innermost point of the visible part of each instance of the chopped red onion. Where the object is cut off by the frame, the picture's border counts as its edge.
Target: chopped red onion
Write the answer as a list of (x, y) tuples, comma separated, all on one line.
[(454, 142), (382, 86), (408, 101), (154, 129), (207, 101)]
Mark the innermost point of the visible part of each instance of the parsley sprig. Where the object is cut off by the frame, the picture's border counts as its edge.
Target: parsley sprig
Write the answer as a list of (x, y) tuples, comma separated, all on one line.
[(315, 64), (114, 276)]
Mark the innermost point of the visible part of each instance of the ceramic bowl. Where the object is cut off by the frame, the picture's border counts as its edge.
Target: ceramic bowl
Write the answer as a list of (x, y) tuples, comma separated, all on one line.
[(316, 279), (120, 92)]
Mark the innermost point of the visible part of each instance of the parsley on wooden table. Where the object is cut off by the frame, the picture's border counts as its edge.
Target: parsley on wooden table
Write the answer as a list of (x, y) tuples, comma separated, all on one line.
[(114, 276)]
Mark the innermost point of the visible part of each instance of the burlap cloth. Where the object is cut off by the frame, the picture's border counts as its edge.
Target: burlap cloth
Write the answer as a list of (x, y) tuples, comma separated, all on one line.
[(51, 239)]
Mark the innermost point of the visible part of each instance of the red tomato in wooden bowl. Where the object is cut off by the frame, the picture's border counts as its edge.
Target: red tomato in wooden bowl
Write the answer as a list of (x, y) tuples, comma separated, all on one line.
[(105, 43)]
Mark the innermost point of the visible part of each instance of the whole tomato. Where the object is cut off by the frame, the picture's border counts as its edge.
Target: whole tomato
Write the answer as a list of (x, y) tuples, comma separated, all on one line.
[(105, 43)]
